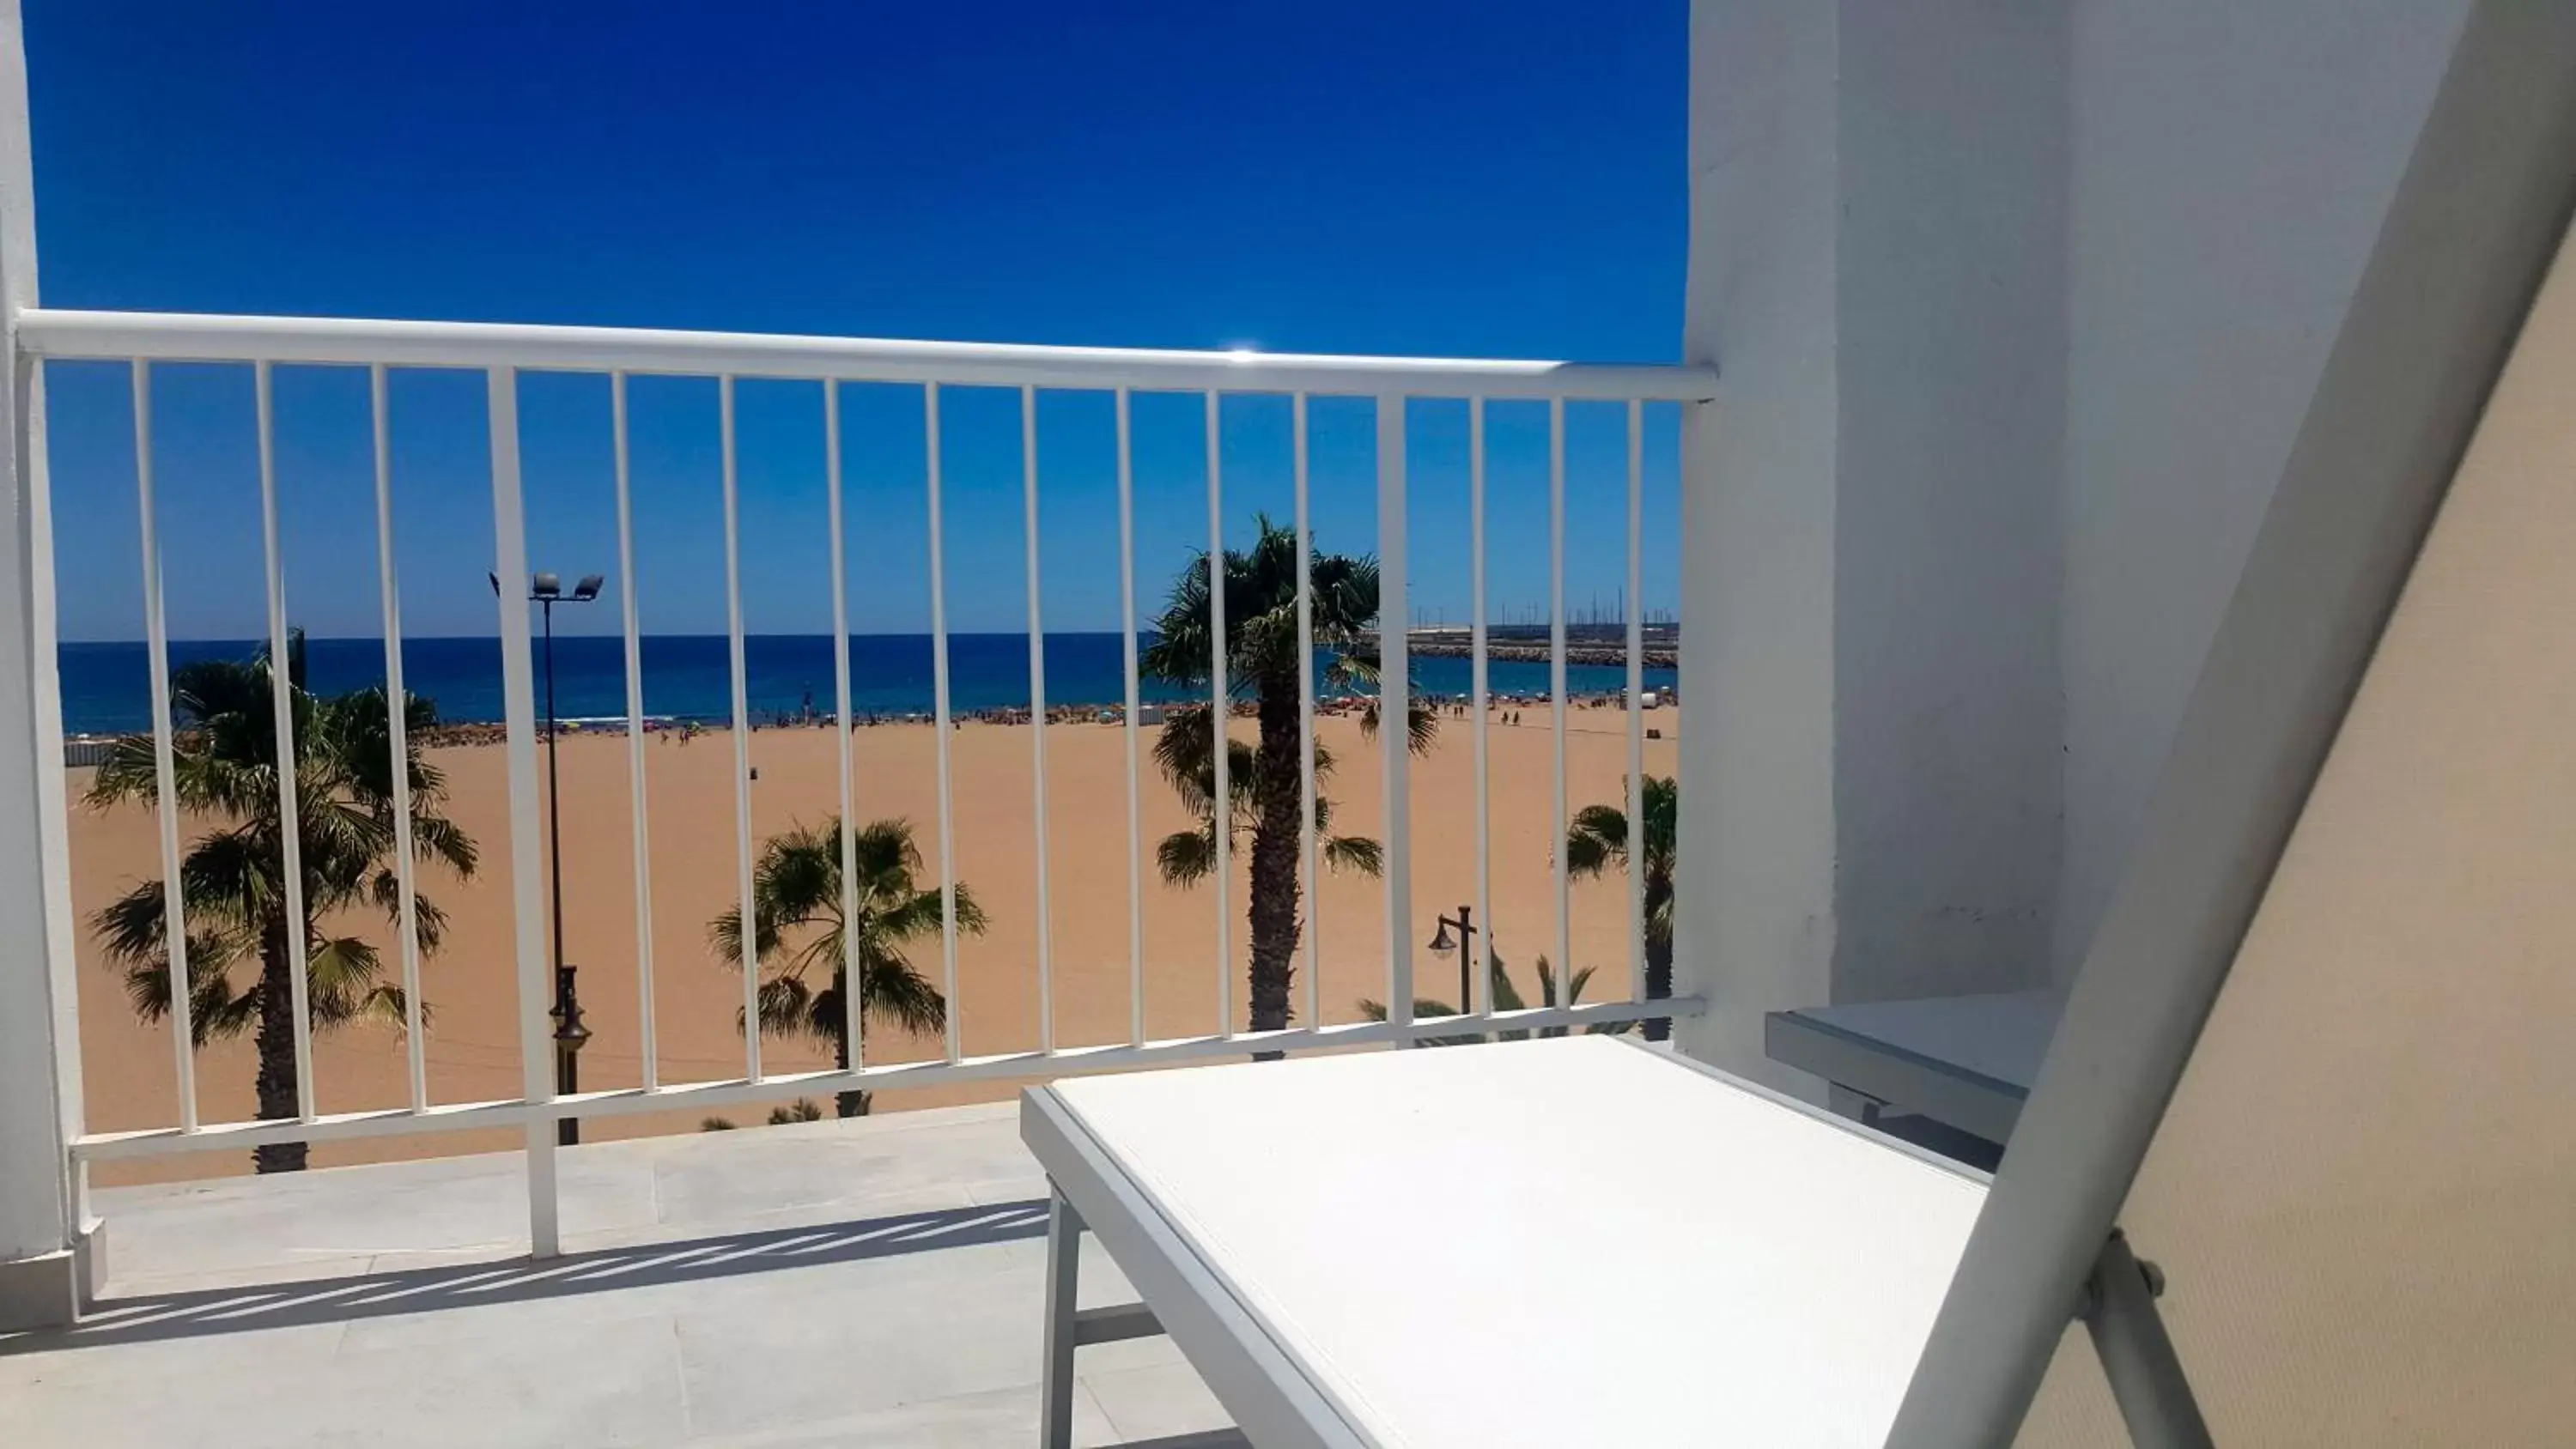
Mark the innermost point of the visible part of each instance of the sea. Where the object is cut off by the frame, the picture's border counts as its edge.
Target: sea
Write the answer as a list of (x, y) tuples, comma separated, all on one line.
[(688, 677)]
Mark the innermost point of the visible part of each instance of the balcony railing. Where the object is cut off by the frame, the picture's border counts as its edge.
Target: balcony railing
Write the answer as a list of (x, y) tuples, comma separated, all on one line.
[(501, 352)]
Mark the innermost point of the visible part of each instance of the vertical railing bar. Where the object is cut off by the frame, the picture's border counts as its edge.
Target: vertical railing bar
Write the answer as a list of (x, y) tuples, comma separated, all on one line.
[(398, 737), (1636, 706), (53, 805), (527, 893), (281, 688), (1395, 710), (1556, 688), (939, 713), (1221, 805), (853, 987), (1037, 715), (174, 917), (1306, 722), (1135, 812), (643, 841), (1483, 978), (53, 784), (741, 736)]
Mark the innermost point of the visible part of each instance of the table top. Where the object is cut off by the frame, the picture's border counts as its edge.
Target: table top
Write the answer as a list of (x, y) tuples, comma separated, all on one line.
[(1968, 1061), (1549, 1242)]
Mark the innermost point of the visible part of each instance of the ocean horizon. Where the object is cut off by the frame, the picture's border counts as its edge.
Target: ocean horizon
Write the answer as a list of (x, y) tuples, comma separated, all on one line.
[(106, 685)]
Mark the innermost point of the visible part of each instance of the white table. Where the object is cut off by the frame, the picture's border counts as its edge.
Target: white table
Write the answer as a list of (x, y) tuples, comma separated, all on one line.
[(1554, 1242)]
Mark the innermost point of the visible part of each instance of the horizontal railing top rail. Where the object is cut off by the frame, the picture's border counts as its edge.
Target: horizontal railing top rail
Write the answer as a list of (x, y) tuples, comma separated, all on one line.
[(338, 341)]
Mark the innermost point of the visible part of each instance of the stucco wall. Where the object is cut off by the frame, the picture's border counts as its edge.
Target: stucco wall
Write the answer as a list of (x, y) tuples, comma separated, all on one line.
[(1951, 304), (1756, 927), (1879, 209), (2230, 164), (2018, 308)]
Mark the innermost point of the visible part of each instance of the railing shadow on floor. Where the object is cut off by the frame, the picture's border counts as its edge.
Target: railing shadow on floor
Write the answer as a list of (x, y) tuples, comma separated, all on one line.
[(145, 1317)]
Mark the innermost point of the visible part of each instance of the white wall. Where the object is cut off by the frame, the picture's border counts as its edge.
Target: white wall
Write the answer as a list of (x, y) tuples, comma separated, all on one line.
[(2230, 165), (1871, 752), (1756, 926), (2017, 308), (1950, 267)]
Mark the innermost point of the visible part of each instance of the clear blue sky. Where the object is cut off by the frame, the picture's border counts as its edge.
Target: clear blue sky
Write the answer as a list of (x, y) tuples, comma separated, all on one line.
[(1495, 179)]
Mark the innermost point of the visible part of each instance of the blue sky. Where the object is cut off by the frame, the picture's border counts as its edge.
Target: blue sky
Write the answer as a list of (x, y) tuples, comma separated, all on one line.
[(1493, 179)]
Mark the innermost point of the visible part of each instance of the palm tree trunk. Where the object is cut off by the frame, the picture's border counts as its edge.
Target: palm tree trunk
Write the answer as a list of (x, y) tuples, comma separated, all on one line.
[(1659, 950), (1276, 834), (848, 1104), (1659, 985), (276, 1040)]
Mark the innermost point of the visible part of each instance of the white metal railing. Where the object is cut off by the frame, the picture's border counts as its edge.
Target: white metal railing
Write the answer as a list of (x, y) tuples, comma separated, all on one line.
[(500, 352)]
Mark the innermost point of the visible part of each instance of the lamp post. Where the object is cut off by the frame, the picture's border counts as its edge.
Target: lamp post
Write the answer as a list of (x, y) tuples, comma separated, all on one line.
[(547, 590), (570, 1037), (1465, 921)]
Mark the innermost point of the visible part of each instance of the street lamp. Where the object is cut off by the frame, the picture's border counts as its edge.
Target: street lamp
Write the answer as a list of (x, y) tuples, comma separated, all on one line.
[(1465, 921), (570, 1037), (547, 589)]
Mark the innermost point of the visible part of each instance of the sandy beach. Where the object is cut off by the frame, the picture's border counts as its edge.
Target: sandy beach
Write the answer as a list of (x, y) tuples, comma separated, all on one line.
[(470, 985)]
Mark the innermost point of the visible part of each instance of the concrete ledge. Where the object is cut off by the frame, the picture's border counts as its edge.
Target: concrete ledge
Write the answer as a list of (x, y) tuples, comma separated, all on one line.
[(51, 1290)]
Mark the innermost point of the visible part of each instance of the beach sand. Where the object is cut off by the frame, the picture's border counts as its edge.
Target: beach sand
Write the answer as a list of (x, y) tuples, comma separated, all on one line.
[(470, 984)]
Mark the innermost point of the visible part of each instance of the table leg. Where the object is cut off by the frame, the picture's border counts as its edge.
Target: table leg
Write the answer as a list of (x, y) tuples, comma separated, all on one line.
[(1064, 1266)]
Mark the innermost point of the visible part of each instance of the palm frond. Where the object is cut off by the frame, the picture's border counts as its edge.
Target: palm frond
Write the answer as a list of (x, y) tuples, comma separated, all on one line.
[(1186, 857), (804, 941), (1355, 853), (215, 1010), (1424, 1009), (1597, 840), (437, 840), (786, 1008), (131, 771), (341, 982), (891, 989), (1422, 724)]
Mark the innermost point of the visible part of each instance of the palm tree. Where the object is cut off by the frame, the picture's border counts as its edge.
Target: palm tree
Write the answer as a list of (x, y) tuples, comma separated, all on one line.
[(796, 892), (1265, 779), (1507, 997), (233, 882), (1598, 840)]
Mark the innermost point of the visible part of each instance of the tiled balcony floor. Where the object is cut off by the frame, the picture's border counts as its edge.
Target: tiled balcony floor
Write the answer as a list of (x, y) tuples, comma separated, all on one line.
[(875, 1282)]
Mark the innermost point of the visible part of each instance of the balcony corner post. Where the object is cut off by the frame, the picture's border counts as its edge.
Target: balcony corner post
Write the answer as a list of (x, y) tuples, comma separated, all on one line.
[(47, 1251)]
